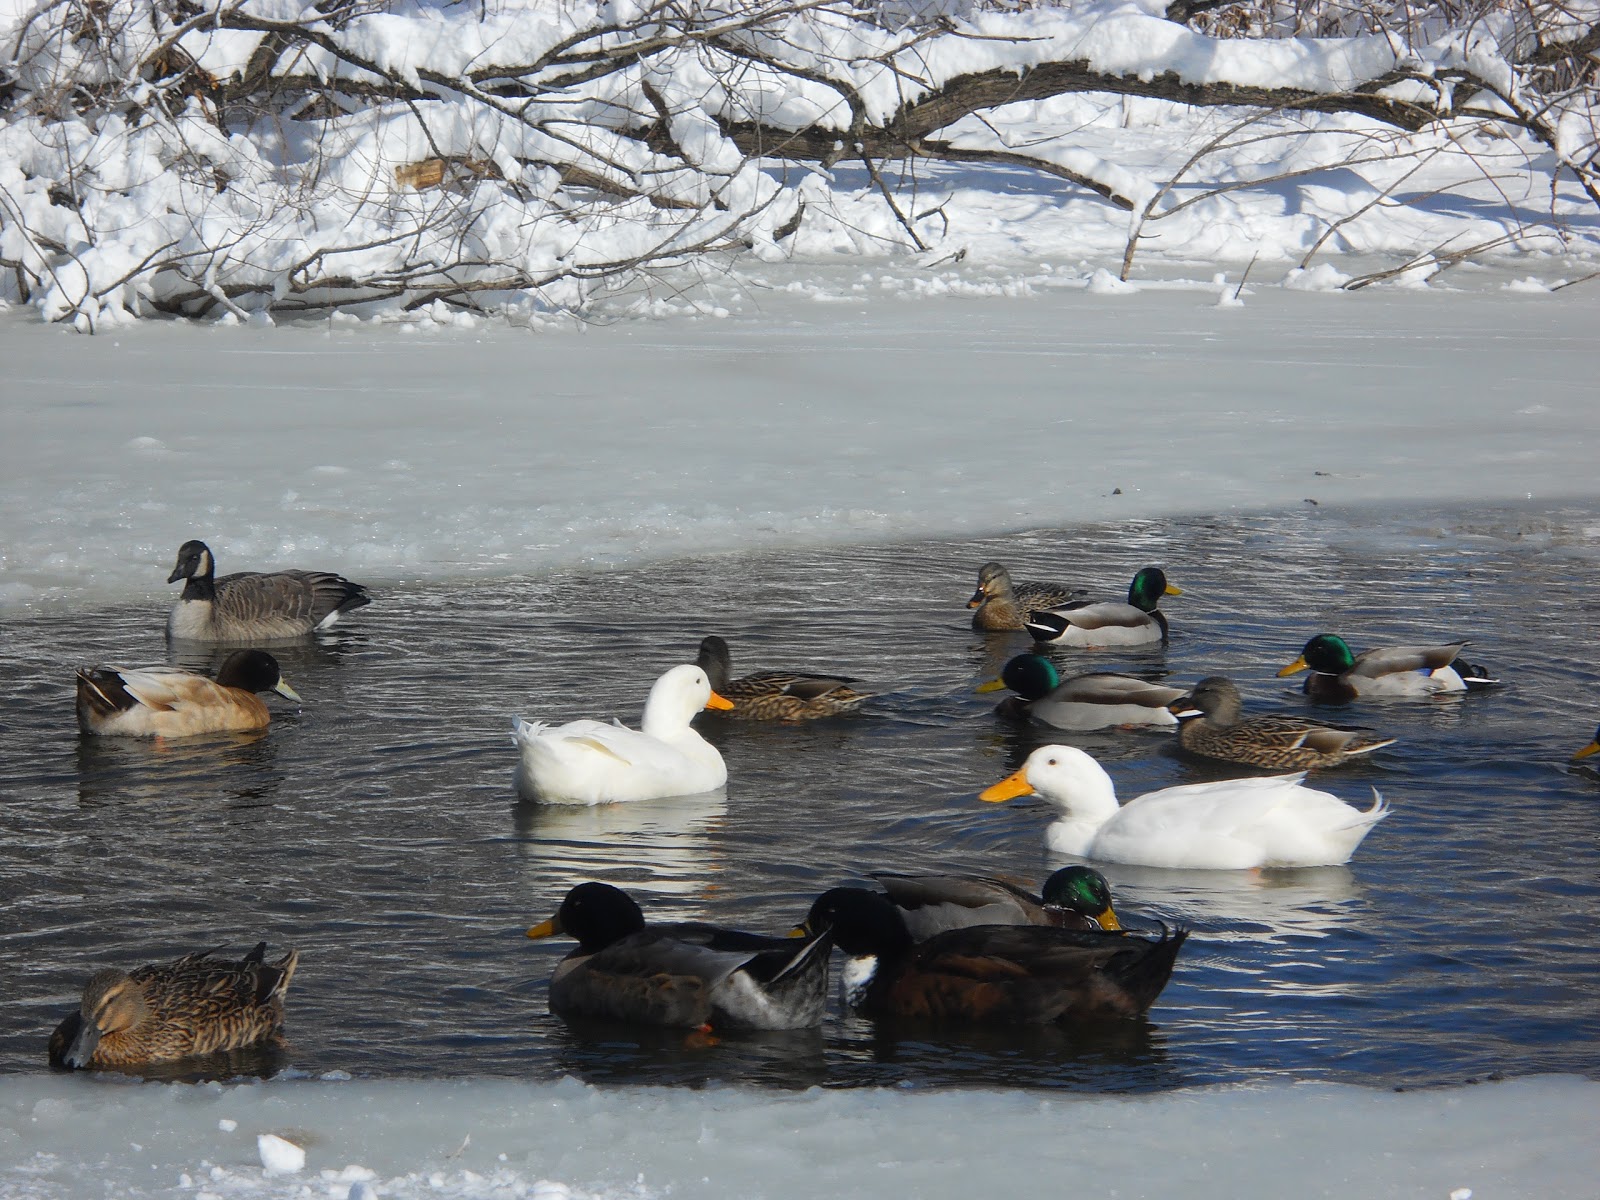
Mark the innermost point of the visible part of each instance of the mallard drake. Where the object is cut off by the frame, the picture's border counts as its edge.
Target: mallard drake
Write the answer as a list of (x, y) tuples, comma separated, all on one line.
[(1211, 727), (1090, 701), (1001, 604), (680, 976), (160, 1012), (167, 702), (1075, 897), (1592, 748), (1233, 824), (592, 762), (1338, 676), (776, 695), (989, 974), (1139, 622), (250, 606)]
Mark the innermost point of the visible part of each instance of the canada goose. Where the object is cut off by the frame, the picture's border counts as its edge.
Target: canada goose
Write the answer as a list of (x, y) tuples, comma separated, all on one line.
[(252, 606)]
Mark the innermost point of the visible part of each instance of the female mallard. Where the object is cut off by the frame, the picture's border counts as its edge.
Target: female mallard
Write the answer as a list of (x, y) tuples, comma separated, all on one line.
[(158, 1013), (1234, 824), (592, 762), (1338, 676), (776, 695), (1002, 604), (680, 976), (1211, 727), (1075, 897), (1139, 622), (167, 702), (989, 974), (1091, 701), (253, 607)]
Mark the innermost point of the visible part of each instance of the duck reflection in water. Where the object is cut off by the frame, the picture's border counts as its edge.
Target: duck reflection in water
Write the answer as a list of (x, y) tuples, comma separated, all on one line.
[(674, 843)]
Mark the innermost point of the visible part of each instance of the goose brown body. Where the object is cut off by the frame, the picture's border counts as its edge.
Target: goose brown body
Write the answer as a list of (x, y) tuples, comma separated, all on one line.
[(167, 702), (251, 606), (991, 974), (1277, 741), (776, 695), (162, 1012), (1001, 604)]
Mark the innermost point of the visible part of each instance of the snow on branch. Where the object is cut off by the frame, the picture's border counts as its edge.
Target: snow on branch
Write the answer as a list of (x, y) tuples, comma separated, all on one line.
[(257, 156)]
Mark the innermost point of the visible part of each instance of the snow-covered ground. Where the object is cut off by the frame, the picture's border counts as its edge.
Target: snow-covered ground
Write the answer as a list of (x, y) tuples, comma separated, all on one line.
[(802, 418), (799, 419), (502, 1140)]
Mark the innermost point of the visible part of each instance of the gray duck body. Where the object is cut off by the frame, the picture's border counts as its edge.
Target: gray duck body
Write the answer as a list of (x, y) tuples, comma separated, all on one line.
[(253, 606)]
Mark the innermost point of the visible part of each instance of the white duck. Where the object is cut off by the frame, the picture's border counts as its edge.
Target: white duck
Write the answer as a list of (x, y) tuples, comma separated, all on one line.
[(1233, 824), (592, 762)]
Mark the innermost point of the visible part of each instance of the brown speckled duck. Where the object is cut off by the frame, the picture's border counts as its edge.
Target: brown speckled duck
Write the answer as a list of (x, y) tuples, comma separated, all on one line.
[(776, 695), (1211, 727), (251, 606), (989, 974), (167, 702), (162, 1012), (1002, 604)]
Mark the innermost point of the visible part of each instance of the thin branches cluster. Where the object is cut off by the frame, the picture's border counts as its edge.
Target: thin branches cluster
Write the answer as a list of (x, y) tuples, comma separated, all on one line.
[(247, 157)]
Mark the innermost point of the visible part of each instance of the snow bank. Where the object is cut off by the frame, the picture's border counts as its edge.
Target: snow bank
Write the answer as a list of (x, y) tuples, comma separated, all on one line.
[(75, 1137), (997, 402)]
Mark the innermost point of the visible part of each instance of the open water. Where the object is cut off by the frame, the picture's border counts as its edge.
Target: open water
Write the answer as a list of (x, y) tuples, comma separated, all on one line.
[(377, 830)]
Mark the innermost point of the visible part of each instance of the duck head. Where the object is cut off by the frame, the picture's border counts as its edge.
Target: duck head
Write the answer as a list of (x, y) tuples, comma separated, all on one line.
[(596, 914), (1029, 675), (1326, 654), (1084, 891), (1147, 588)]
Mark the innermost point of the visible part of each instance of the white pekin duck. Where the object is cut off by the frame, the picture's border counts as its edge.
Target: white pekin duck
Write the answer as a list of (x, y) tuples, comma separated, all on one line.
[(1233, 824), (595, 762)]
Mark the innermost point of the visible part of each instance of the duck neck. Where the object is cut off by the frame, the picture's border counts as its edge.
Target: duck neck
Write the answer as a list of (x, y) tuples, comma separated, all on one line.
[(1092, 802), (665, 716), (202, 585)]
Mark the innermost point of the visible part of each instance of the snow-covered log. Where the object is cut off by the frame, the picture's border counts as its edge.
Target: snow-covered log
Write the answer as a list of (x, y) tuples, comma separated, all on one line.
[(273, 156)]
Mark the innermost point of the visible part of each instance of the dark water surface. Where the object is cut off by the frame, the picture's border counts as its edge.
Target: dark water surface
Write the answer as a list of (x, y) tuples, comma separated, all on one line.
[(377, 830)]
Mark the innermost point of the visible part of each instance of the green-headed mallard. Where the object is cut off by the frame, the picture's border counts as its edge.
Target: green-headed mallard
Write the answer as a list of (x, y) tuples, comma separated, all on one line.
[(162, 1012), (1075, 897), (1592, 748), (1338, 676), (1233, 824), (680, 976), (1002, 604), (1213, 728), (776, 695), (167, 702), (251, 606), (989, 974), (1139, 622), (596, 762), (1090, 701)]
